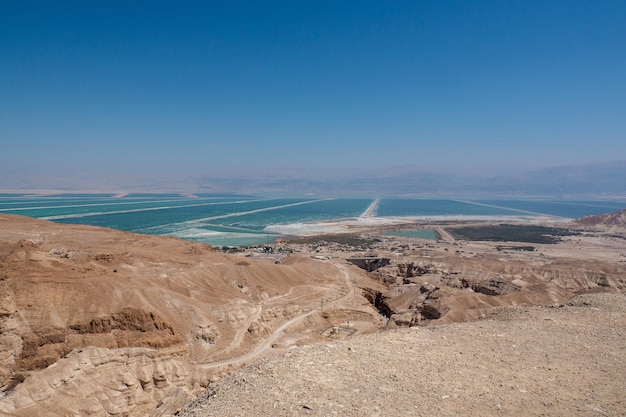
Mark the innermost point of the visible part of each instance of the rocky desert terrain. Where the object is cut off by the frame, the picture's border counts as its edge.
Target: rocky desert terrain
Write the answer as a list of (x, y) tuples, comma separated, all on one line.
[(562, 360), (100, 322)]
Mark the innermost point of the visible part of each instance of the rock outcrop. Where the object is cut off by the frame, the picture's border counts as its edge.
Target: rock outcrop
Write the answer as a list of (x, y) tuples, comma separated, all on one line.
[(95, 321), (421, 291), (106, 382)]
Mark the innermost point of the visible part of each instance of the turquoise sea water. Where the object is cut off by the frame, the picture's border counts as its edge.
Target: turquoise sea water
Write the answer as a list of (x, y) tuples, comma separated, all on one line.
[(243, 220)]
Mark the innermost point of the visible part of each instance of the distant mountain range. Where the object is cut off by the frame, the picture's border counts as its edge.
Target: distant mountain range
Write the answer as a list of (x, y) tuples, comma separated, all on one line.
[(590, 179), (600, 179), (606, 178)]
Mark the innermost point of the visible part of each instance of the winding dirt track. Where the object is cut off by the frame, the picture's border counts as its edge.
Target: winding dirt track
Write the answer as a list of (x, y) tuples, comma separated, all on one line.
[(260, 349), (267, 343)]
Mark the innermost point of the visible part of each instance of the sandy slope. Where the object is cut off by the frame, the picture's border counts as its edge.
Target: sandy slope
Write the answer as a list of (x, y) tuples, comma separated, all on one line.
[(566, 360)]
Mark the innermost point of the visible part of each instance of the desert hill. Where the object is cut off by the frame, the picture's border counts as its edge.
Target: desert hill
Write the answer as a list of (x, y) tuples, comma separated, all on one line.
[(99, 322), (616, 220)]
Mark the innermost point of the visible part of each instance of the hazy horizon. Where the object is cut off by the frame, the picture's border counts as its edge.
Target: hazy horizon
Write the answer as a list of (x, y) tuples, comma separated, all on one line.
[(153, 94), (587, 180)]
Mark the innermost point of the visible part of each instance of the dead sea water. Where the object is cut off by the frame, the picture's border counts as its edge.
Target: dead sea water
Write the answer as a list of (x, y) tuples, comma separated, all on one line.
[(235, 220)]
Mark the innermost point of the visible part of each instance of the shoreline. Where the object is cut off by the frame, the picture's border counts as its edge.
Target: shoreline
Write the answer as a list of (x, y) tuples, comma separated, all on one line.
[(374, 224)]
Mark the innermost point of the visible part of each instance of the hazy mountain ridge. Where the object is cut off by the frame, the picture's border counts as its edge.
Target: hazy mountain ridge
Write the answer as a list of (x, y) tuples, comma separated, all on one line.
[(584, 179), (588, 179), (603, 178)]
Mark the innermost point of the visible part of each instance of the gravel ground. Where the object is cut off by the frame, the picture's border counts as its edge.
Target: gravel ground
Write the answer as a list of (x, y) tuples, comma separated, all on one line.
[(563, 360)]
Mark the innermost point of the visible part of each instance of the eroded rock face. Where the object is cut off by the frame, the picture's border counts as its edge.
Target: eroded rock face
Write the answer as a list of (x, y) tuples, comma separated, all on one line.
[(128, 327), (414, 269), (127, 319), (433, 309), (421, 304), (207, 333), (105, 382), (495, 286), (424, 291), (377, 299)]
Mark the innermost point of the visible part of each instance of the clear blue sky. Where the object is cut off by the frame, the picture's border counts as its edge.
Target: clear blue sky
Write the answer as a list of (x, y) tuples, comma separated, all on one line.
[(186, 88)]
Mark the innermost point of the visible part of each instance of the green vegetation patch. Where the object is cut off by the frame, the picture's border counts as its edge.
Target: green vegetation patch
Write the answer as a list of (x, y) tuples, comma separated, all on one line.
[(513, 233)]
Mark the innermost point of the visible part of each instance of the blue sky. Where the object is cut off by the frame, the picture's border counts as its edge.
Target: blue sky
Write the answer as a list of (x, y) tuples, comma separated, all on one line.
[(193, 88)]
